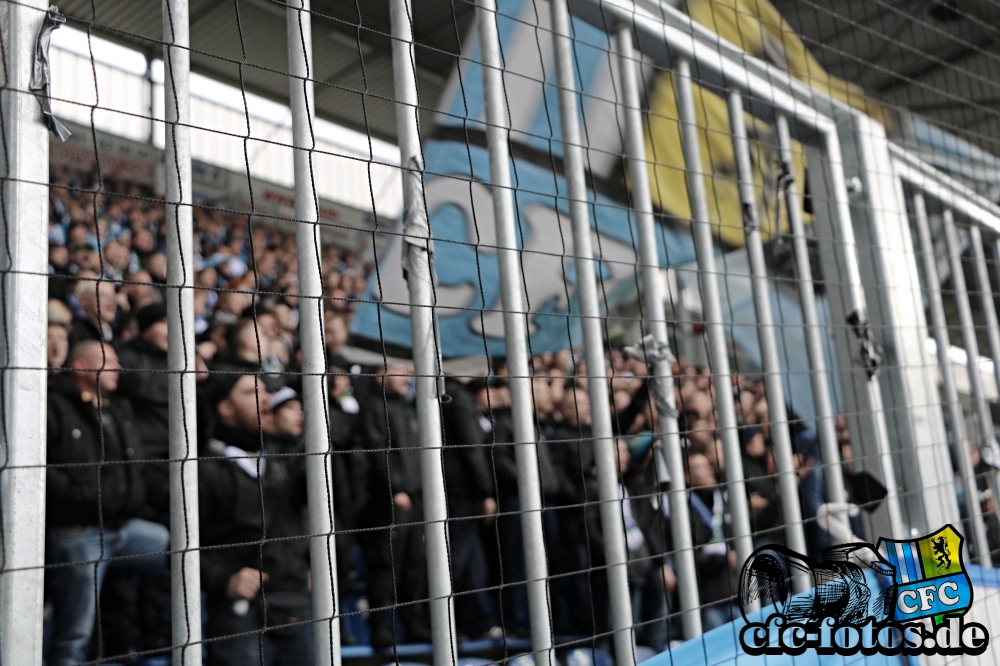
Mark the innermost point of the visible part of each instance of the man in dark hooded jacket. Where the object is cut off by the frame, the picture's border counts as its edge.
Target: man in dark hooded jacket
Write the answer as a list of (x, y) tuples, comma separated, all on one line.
[(254, 570)]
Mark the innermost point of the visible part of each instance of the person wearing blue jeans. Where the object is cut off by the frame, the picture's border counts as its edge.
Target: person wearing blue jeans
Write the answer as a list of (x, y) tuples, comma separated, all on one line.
[(715, 615), (94, 496), (74, 589)]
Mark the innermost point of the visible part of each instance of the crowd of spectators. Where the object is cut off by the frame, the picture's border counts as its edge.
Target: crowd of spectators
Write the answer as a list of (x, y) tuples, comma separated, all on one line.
[(108, 480)]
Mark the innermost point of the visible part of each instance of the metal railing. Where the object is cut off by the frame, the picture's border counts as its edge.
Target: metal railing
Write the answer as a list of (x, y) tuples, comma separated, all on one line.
[(949, 198), (917, 499)]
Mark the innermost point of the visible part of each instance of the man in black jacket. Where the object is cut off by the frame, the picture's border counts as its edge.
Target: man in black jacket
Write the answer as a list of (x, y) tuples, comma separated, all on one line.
[(254, 566), (647, 536), (144, 380), (762, 487), (395, 553), (469, 482), (93, 496), (350, 474), (497, 423), (580, 547)]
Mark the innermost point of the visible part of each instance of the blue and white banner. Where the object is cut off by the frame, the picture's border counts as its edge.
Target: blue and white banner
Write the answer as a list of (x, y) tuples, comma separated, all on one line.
[(460, 205)]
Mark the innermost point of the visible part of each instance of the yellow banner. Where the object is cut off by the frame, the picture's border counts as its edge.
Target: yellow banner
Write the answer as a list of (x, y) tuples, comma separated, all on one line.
[(758, 28)]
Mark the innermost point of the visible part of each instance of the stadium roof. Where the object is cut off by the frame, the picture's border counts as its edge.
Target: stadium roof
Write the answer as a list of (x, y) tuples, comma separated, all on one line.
[(935, 57), (938, 58), (348, 60)]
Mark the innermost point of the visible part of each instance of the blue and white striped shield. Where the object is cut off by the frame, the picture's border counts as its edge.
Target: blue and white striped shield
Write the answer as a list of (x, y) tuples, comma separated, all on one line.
[(930, 575)]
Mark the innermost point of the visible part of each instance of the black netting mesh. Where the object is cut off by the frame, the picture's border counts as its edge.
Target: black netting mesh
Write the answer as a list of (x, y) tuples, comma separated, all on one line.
[(358, 499)]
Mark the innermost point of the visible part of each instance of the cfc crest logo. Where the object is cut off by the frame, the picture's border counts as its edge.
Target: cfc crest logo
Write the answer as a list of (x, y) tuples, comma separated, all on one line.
[(930, 575), (901, 597)]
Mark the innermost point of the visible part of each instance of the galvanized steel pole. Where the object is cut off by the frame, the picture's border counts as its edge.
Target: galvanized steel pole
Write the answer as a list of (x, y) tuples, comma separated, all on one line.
[(656, 322), (780, 437), (833, 475), (319, 473), (953, 406), (986, 299), (983, 417), (515, 324), (718, 350), (185, 561), (25, 287), (996, 253), (859, 312), (615, 551), (417, 249)]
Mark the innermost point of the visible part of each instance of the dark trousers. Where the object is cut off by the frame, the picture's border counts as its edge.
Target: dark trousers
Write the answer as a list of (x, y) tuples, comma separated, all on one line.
[(582, 587), (74, 589), (468, 568), (513, 599), (649, 611), (557, 565), (154, 612), (566, 547), (397, 573), (135, 614), (119, 627), (514, 594), (250, 645)]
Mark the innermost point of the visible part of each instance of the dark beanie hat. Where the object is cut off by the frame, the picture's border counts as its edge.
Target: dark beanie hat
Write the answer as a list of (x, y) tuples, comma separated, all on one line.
[(149, 315), (223, 378), (749, 432), (263, 306)]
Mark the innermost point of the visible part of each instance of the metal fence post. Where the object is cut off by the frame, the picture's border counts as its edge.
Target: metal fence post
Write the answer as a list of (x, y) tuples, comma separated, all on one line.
[(779, 89), (833, 475), (417, 249), (718, 350), (956, 418), (983, 417), (319, 474), (185, 561), (986, 299), (888, 263), (515, 326), (615, 551), (858, 320), (775, 391), (996, 253), (25, 212), (656, 321)]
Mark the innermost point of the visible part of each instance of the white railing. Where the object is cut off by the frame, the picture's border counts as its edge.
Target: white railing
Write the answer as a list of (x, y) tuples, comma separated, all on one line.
[(870, 260)]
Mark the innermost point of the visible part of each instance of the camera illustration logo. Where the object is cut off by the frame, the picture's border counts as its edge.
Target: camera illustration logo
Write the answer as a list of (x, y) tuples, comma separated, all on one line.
[(901, 597)]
